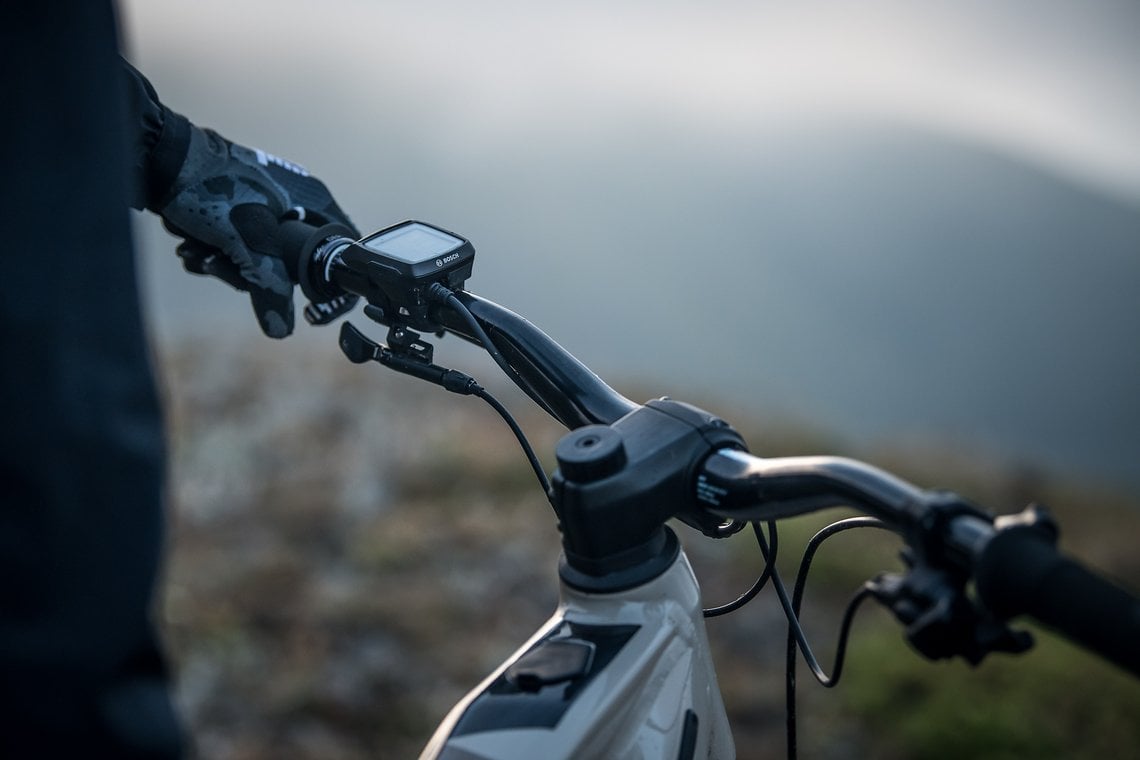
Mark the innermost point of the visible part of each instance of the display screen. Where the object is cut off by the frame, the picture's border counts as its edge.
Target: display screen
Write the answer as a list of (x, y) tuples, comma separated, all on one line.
[(413, 243)]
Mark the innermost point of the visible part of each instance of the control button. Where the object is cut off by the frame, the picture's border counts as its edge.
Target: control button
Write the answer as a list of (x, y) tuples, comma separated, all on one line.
[(551, 662)]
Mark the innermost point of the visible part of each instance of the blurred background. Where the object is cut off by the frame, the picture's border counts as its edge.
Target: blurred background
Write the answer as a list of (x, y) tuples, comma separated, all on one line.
[(905, 232)]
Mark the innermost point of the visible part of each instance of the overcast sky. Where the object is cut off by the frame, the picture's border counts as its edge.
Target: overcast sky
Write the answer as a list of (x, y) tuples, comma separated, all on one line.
[(576, 143), (1055, 82)]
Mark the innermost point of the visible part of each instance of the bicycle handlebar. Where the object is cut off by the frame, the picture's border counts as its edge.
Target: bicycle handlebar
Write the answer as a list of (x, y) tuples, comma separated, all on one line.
[(1014, 562), (1017, 568), (550, 374), (737, 485)]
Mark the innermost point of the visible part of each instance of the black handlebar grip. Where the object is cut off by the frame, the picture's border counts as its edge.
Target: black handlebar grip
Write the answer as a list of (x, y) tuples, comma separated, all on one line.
[(297, 243), (1020, 571)]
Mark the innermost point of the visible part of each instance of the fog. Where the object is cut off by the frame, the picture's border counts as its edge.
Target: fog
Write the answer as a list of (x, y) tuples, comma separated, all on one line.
[(886, 220)]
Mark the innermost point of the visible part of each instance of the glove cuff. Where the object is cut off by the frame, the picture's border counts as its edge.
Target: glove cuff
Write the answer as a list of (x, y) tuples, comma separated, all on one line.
[(166, 159)]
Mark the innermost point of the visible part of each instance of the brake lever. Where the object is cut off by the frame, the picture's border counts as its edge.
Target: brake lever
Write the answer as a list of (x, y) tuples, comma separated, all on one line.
[(941, 621), (414, 359)]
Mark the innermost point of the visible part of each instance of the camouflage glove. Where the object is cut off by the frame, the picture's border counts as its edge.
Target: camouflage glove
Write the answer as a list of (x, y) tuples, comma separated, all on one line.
[(225, 202)]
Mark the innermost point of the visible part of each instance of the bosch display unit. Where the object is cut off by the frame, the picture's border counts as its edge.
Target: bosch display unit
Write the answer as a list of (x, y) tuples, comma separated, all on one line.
[(401, 262)]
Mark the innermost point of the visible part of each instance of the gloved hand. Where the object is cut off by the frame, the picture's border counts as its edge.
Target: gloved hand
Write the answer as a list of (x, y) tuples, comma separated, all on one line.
[(226, 201)]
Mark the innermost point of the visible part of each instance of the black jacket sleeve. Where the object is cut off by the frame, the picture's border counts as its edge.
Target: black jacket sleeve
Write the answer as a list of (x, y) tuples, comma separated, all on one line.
[(160, 139), (82, 448)]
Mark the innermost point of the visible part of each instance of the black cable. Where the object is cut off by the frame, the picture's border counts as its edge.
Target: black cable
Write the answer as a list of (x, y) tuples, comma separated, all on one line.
[(795, 631), (750, 594), (441, 294), (543, 481)]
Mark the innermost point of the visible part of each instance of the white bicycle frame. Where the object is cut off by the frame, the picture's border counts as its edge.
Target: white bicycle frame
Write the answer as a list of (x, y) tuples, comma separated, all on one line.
[(656, 698)]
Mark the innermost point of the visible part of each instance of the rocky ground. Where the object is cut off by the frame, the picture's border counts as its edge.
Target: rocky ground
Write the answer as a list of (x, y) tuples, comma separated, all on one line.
[(351, 551)]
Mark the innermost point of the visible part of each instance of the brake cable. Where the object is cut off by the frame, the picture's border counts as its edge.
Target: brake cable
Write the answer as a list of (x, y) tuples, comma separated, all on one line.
[(796, 633), (442, 295), (769, 566), (531, 456)]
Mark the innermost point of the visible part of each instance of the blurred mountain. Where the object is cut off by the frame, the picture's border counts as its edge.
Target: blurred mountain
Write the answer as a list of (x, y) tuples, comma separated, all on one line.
[(879, 281), (917, 285)]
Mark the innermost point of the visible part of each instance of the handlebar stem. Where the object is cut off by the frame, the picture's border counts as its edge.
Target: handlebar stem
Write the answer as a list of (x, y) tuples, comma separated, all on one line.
[(617, 485)]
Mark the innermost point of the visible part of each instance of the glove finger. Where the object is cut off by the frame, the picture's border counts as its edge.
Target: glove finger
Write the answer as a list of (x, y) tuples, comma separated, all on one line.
[(260, 231), (225, 270), (303, 189), (334, 213), (174, 229), (203, 260), (253, 250), (273, 306), (257, 226), (193, 257)]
